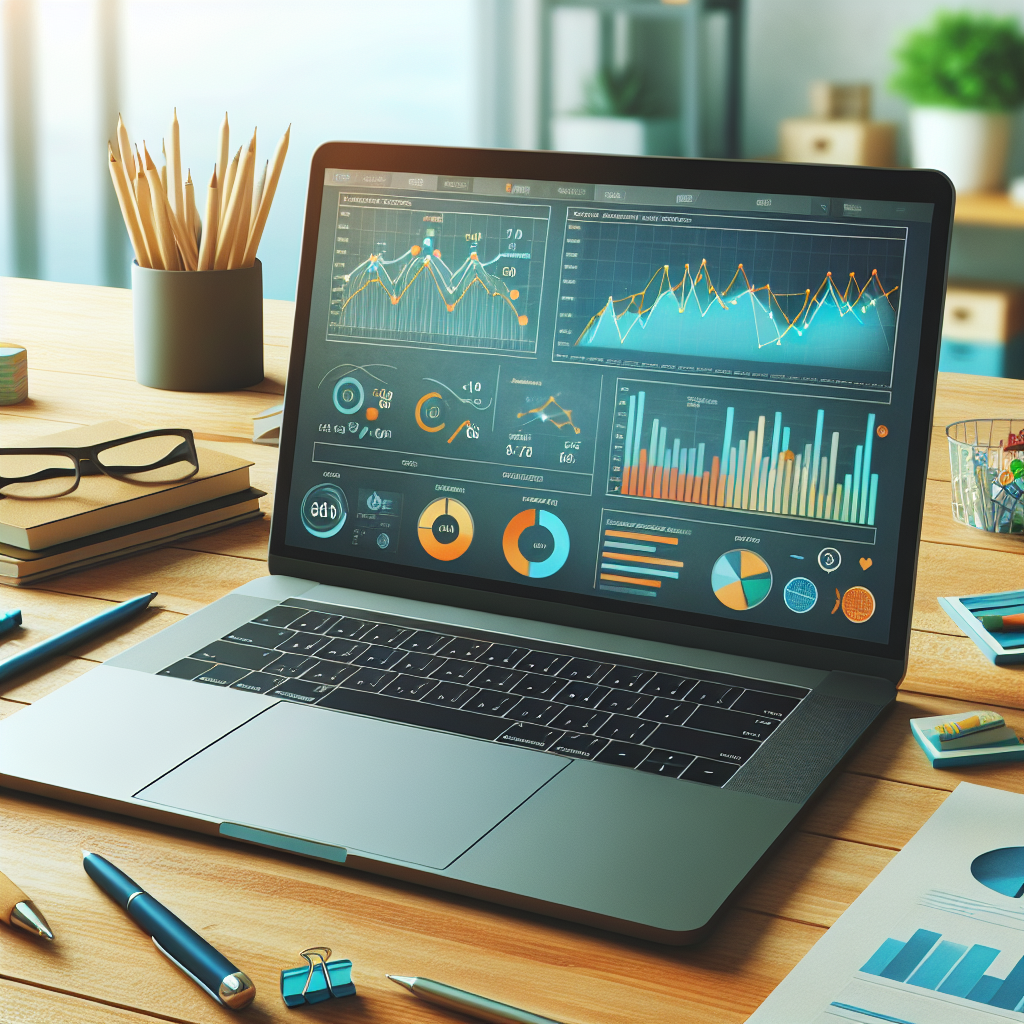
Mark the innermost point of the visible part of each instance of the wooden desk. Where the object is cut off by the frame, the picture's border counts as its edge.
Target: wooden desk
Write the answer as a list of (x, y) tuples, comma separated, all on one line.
[(260, 908)]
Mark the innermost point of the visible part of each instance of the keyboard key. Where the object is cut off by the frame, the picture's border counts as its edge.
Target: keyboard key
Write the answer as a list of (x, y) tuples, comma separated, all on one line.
[(704, 744), (752, 727), (539, 661), (291, 665), (675, 712), (282, 615), (257, 682), (626, 678), (767, 704), (624, 702), (490, 702), (530, 710), (462, 647), (523, 734), (504, 656), (351, 629), (417, 664), (586, 695), (341, 649), (714, 773), (451, 695), (423, 641), (259, 636), (575, 744), (382, 633), (587, 671), (370, 679), (303, 643), (717, 694), (378, 657), (668, 771), (187, 668), (534, 685), (328, 672), (241, 655), (452, 671), (316, 622), (301, 690), (670, 757), (498, 678), (410, 687), (629, 755), (580, 719), (665, 685), (629, 730), (221, 675), (415, 712)]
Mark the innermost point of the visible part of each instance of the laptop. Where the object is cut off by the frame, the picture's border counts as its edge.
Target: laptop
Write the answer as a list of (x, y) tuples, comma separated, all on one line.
[(594, 542)]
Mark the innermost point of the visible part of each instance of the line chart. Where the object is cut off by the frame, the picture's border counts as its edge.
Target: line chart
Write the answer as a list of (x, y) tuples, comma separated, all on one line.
[(560, 417), (462, 278)]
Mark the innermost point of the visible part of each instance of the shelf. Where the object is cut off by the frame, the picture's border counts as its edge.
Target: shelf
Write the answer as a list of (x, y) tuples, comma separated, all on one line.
[(989, 209)]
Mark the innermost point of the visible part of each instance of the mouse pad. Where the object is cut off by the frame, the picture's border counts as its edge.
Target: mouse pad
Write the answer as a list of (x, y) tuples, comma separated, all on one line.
[(374, 787)]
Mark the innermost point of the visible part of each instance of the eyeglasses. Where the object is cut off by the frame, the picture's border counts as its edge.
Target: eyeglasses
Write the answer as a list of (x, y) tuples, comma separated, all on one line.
[(150, 457)]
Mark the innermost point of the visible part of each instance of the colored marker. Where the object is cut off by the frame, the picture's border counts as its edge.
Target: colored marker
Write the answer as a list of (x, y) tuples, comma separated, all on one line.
[(9, 621), (1002, 623)]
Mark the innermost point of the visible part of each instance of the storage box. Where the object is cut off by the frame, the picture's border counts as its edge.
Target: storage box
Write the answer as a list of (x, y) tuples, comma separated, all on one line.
[(813, 140), (983, 331)]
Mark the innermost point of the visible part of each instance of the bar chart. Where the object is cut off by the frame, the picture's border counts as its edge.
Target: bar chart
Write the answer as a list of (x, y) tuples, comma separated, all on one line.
[(638, 556), (671, 444), (928, 961)]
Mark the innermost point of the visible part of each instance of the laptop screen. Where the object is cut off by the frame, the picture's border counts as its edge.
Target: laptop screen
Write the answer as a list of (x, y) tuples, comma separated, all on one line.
[(688, 405)]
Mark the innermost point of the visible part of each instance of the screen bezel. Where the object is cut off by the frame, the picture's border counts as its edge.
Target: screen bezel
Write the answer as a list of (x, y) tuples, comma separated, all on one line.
[(570, 609)]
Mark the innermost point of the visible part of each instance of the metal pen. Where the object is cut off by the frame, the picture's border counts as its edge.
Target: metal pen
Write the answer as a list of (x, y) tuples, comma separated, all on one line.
[(188, 951), (17, 910), (466, 1002)]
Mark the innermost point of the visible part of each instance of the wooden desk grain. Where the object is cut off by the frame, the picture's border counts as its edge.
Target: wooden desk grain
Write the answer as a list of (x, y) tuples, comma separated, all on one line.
[(260, 907)]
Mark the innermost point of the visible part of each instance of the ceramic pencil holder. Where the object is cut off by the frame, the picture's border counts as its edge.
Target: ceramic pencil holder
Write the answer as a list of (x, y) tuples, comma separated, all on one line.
[(199, 331)]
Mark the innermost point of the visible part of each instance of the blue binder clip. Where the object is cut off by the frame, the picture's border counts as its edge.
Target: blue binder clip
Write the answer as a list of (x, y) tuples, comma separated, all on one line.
[(319, 981)]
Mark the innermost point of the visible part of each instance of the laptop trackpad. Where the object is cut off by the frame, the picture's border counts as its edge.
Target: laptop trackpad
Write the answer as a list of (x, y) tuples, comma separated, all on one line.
[(369, 786)]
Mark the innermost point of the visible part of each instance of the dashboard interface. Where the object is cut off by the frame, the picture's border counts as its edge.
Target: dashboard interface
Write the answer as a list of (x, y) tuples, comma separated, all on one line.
[(657, 400)]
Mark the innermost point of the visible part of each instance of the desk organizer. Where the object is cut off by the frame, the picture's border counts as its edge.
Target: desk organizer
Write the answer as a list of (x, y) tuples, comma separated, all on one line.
[(986, 462)]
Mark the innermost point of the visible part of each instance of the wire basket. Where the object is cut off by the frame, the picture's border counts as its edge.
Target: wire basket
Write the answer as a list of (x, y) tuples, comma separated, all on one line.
[(986, 462)]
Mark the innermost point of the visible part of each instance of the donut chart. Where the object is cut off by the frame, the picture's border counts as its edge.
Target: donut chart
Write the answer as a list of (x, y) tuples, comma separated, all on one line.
[(741, 579), (518, 525), (445, 529), (348, 396)]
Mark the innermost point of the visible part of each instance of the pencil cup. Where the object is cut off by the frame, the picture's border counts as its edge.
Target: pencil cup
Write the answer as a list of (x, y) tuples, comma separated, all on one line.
[(199, 331)]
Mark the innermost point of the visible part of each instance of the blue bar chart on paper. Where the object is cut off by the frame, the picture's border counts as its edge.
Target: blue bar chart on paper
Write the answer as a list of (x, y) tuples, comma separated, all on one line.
[(779, 456)]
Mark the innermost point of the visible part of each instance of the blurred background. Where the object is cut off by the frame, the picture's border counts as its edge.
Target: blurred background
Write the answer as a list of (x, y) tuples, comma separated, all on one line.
[(776, 79)]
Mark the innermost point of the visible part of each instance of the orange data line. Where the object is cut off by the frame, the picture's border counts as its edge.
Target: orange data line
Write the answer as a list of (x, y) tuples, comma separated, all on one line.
[(630, 579), (629, 535), (457, 429), (620, 557)]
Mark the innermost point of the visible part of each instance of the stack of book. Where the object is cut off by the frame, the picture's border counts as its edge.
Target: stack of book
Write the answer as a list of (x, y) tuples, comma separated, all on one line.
[(104, 518), (13, 374), (975, 737)]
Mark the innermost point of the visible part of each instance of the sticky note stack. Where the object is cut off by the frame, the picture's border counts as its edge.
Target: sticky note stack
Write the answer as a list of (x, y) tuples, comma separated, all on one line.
[(975, 737), (13, 374)]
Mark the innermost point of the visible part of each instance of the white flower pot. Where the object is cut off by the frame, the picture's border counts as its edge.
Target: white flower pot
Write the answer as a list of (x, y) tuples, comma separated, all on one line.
[(970, 146), (628, 136)]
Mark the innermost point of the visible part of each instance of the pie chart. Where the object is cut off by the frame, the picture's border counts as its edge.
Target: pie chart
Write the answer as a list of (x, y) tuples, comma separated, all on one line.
[(549, 554), (1001, 871), (445, 529), (741, 579)]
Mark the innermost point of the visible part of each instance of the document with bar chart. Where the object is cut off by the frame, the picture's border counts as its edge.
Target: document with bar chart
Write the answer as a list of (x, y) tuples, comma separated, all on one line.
[(937, 938)]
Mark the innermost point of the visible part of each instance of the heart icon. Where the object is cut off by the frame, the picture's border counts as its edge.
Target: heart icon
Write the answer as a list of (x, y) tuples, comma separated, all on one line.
[(865, 563)]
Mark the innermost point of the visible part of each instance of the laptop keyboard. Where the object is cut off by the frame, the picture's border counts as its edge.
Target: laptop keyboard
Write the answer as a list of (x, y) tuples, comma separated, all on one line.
[(644, 716)]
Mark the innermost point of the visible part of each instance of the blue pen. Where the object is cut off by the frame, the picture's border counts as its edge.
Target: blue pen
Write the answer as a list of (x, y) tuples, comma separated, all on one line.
[(71, 637), (9, 621), (190, 952)]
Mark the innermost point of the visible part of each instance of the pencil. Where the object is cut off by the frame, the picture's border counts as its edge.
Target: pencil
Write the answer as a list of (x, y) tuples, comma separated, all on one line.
[(161, 211), (192, 223), (222, 164), (163, 166), (257, 195), (208, 246), (177, 193), (225, 243), (146, 221), (130, 173), (244, 210), (124, 200), (266, 199), (226, 185)]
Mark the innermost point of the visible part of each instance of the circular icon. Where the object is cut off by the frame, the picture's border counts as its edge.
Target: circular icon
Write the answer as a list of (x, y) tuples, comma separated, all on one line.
[(429, 413), (445, 529), (324, 510), (555, 550), (858, 604), (800, 595), (348, 396), (882, 430), (741, 579), (383, 540), (829, 559)]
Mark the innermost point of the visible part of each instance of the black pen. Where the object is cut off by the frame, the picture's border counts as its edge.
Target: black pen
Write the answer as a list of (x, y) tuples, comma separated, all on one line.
[(190, 952)]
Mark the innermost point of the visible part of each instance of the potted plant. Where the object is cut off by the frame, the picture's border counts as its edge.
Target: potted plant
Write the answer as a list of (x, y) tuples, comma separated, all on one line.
[(963, 75)]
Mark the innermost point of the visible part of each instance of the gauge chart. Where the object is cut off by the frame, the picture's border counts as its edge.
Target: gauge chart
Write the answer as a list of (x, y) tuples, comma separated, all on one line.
[(741, 579)]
